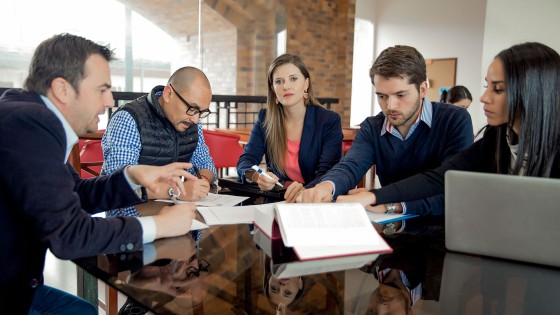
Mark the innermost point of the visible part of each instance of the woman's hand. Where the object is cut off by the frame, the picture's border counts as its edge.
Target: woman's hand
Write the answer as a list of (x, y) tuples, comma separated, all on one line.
[(293, 191), (266, 183)]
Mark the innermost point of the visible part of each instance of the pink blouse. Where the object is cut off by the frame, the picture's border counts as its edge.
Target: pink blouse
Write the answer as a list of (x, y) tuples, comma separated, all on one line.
[(291, 164)]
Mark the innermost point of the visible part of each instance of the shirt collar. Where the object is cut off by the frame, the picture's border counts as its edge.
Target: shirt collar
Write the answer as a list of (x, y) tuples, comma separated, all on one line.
[(71, 136), (425, 116)]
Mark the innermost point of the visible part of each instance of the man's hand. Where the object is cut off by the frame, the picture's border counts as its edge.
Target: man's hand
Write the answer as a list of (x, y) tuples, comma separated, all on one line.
[(293, 191), (151, 176), (174, 220), (361, 196), (322, 192), (196, 189)]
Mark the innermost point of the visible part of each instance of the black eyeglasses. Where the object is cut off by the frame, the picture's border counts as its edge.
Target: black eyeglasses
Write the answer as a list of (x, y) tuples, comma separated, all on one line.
[(191, 110), (203, 265)]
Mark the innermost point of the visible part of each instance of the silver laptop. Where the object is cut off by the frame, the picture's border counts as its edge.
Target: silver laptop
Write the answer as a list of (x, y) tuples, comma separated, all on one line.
[(503, 216)]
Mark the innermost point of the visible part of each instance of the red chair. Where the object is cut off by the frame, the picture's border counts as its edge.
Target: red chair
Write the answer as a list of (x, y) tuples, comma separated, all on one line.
[(91, 157), (224, 148)]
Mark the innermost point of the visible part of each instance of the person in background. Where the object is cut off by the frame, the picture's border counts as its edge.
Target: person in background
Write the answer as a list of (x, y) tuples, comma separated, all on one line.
[(44, 204), (458, 96), (409, 136), (300, 139), (163, 127), (522, 108)]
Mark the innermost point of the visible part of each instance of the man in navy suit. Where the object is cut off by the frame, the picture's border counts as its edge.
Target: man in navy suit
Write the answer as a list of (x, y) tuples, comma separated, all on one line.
[(44, 204)]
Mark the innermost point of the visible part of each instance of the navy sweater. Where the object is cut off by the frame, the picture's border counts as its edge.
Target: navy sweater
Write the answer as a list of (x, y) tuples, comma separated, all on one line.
[(426, 148)]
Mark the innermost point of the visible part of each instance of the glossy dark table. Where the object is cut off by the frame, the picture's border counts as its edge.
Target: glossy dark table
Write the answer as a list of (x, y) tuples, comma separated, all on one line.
[(420, 274)]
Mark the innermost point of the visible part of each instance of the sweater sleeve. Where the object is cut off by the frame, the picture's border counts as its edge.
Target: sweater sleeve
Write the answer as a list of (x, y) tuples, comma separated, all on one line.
[(349, 171), (476, 158), (458, 136)]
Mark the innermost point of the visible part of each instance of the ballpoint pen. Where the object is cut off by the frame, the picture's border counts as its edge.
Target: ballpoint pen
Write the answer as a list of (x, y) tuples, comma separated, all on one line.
[(196, 172), (258, 170)]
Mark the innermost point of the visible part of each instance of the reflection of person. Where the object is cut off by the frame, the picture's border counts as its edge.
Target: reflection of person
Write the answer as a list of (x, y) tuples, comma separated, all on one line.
[(522, 109), (160, 128), (458, 96), (411, 272), (300, 139), (410, 136), (283, 294), (174, 278), (45, 204)]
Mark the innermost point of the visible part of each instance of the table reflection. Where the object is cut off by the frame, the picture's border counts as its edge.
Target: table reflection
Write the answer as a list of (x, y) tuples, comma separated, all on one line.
[(232, 271)]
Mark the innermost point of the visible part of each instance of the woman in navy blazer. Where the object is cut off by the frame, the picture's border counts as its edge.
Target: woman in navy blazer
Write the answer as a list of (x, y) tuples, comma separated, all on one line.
[(300, 139)]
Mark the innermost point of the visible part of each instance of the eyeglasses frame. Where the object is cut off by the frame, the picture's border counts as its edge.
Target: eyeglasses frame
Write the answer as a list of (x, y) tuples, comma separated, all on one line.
[(201, 113)]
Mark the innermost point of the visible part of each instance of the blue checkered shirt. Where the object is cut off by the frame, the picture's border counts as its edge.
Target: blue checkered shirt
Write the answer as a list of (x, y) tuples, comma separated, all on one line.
[(121, 146)]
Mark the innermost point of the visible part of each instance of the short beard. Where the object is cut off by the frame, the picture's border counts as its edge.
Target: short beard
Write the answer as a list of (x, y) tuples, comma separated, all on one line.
[(411, 114)]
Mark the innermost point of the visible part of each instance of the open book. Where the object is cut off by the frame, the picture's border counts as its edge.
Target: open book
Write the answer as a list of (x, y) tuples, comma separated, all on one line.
[(321, 230), (284, 262)]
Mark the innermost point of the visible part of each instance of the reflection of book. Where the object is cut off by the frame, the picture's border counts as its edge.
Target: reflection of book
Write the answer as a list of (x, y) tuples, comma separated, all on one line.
[(285, 264), (321, 230)]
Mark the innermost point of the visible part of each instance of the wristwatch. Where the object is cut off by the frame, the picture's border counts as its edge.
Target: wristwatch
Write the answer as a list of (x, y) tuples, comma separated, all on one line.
[(391, 208), (390, 229)]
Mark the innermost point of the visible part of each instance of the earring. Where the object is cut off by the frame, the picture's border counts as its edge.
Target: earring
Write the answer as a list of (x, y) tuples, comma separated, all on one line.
[(277, 102), (305, 95)]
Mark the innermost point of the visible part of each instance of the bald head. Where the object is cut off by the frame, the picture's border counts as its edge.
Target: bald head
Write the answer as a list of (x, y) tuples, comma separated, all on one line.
[(185, 78)]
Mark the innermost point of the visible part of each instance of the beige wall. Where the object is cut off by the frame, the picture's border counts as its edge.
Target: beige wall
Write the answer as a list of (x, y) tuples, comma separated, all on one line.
[(473, 31)]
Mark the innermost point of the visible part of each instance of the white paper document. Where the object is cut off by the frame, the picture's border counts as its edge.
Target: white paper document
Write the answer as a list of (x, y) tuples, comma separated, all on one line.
[(235, 215), (197, 225), (328, 230), (213, 200)]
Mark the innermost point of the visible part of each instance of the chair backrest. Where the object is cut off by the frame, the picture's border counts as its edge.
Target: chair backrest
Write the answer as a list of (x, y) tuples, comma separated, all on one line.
[(91, 158), (224, 148)]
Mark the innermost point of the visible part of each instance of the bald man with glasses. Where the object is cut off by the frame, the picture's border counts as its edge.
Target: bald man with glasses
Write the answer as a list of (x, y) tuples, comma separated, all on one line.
[(162, 127)]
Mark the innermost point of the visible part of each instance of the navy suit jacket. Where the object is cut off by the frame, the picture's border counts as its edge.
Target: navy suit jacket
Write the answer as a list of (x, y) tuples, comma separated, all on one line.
[(319, 150), (45, 205)]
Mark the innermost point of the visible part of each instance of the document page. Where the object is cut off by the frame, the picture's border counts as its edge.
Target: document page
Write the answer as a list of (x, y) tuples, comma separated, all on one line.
[(325, 224), (213, 200), (227, 215)]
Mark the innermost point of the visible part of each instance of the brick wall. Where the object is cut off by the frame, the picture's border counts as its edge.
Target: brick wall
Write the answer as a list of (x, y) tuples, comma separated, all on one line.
[(322, 33)]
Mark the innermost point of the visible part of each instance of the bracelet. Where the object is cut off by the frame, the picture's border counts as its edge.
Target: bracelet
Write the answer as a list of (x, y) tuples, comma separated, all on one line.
[(205, 177), (253, 177)]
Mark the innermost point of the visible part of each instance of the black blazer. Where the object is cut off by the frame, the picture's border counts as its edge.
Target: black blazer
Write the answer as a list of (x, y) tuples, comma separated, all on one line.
[(45, 205)]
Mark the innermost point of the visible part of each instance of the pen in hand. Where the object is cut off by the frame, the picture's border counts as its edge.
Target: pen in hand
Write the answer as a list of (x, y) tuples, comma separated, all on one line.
[(196, 172), (258, 170), (175, 196)]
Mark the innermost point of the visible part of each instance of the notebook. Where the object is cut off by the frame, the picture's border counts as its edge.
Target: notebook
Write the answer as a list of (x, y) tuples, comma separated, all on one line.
[(251, 189), (504, 216)]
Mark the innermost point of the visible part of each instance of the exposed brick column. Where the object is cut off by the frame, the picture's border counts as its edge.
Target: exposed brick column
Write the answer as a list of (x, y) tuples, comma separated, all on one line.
[(322, 33)]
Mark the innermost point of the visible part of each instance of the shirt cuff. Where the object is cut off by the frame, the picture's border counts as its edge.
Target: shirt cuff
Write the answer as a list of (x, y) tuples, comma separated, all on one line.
[(148, 229), (333, 186), (135, 187), (403, 207)]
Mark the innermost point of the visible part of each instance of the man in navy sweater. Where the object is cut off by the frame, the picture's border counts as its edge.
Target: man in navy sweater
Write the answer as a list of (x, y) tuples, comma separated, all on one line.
[(409, 136), (43, 202)]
